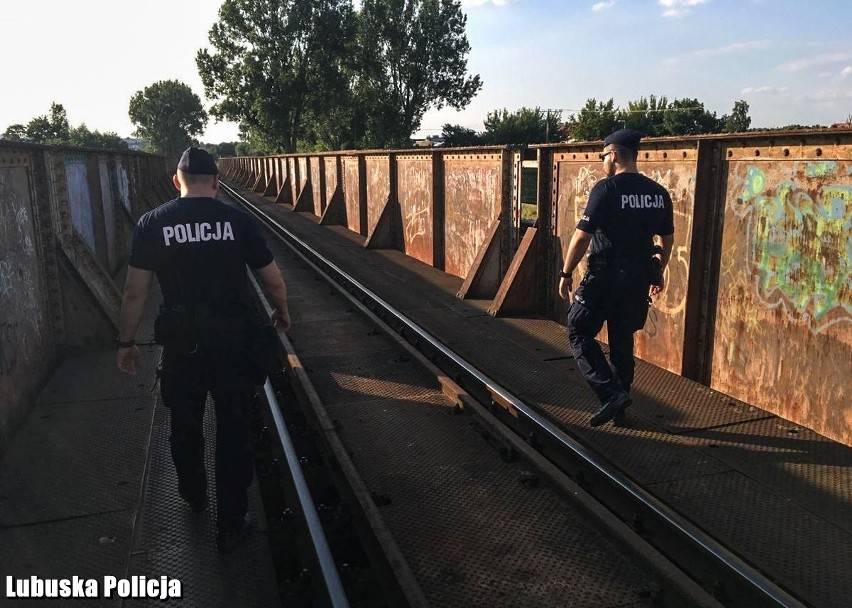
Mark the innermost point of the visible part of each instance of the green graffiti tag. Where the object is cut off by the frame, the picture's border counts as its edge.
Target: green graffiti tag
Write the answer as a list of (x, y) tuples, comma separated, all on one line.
[(800, 244)]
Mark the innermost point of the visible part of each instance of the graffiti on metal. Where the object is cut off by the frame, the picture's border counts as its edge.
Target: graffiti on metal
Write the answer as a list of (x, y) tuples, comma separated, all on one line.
[(22, 320), (472, 191), (416, 206), (123, 184), (378, 188), (783, 331), (79, 197), (799, 243)]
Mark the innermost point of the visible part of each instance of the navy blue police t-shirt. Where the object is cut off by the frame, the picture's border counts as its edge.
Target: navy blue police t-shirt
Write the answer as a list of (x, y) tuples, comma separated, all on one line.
[(199, 248), (624, 213)]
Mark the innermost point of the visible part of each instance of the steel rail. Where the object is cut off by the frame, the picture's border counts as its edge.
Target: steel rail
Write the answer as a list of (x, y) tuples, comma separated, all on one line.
[(330, 575), (745, 574)]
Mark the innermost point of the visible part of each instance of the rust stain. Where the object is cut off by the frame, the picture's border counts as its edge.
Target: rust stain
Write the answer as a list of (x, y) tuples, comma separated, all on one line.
[(330, 177), (351, 194), (317, 186)]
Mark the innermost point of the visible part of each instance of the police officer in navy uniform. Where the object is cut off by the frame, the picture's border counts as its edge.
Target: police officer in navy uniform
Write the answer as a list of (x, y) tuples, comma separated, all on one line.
[(624, 213), (199, 247)]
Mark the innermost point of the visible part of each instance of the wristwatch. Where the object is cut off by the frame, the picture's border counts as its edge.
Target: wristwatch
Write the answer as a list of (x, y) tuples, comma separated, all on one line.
[(125, 343), (564, 275)]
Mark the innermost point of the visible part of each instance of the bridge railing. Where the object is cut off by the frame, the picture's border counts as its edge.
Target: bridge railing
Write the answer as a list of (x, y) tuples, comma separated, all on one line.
[(66, 216), (758, 298)]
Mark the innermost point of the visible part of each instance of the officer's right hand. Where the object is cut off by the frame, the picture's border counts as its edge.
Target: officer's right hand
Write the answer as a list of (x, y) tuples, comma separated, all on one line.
[(565, 287), (280, 321), (126, 359)]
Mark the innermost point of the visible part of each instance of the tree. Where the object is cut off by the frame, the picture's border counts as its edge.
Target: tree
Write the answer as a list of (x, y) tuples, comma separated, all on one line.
[(738, 120), (81, 136), (412, 56), (595, 121), (167, 114), (459, 136), (50, 129), (645, 115), (688, 117), (525, 126), (16, 132), (270, 60)]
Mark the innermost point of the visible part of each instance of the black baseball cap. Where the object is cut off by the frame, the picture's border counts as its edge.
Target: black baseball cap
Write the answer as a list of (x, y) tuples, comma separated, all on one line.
[(626, 138), (198, 162)]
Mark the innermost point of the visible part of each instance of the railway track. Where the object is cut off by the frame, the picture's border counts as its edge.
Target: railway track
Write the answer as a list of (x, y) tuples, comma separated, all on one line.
[(687, 567)]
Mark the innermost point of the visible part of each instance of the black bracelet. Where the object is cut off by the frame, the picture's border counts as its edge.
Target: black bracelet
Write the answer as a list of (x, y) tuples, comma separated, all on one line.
[(127, 343), (564, 275)]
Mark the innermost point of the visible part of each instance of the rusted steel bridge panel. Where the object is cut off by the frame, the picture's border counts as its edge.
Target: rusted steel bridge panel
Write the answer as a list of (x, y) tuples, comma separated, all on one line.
[(318, 184), (671, 164), (332, 179), (473, 190), (415, 195), (301, 166), (353, 197), (378, 187), (783, 320)]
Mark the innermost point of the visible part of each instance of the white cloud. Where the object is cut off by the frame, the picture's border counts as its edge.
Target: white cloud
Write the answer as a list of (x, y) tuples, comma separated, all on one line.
[(826, 96), (763, 89), (475, 3), (845, 72), (602, 6), (815, 61), (678, 8), (735, 48)]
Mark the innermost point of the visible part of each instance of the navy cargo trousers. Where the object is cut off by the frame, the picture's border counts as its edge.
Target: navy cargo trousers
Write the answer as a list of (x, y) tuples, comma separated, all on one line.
[(186, 380), (617, 295)]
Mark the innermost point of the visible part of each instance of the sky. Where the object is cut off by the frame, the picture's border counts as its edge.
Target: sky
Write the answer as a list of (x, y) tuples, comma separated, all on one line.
[(791, 60)]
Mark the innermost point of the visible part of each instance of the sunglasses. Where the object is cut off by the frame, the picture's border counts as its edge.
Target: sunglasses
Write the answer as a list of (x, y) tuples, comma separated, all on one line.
[(604, 155)]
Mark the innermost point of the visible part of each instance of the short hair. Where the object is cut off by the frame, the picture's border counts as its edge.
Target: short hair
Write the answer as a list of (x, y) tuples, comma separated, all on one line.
[(195, 179), (628, 154)]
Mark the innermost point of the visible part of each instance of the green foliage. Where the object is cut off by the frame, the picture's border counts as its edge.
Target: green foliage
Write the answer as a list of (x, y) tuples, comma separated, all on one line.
[(688, 117), (595, 121), (411, 56), (54, 129), (524, 126), (16, 132), (654, 116), (459, 136), (738, 120), (271, 60), (81, 136), (645, 115), (167, 114)]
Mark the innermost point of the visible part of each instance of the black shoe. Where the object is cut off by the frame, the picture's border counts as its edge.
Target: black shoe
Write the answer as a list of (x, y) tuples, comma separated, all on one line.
[(231, 536), (609, 410), (196, 503)]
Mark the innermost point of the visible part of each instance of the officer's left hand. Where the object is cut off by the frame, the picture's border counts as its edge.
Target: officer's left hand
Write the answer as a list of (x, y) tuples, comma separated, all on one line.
[(566, 286)]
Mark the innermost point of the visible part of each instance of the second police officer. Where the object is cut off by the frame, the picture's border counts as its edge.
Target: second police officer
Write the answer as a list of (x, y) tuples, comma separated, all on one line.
[(625, 211)]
